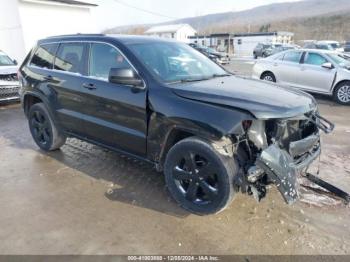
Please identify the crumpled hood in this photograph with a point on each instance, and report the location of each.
(264, 100)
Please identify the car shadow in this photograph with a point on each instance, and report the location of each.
(132, 181)
(127, 180)
(325, 100)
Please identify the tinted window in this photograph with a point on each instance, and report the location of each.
(70, 57)
(44, 56)
(315, 59)
(103, 57)
(292, 57)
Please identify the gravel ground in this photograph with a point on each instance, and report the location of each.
(87, 200)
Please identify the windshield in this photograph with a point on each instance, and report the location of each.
(5, 60)
(339, 60)
(174, 62)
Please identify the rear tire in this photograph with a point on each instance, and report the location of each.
(341, 93)
(199, 177)
(268, 76)
(43, 129)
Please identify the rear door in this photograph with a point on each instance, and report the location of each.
(287, 67)
(114, 114)
(314, 76)
(67, 80)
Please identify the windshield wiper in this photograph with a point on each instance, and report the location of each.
(187, 80)
(220, 75)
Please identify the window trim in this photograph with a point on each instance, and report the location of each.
(88, 42)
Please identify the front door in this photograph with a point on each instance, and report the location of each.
(114, 114)
(314, 76)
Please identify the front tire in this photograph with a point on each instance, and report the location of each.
(43, 129)
(268, 76)
(199, 177)
(342, 93)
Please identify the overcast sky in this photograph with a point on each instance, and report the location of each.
(111, 13)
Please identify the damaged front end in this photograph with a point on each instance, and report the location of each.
(276, 151)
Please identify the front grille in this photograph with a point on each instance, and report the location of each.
(9, 92)
(9, 77)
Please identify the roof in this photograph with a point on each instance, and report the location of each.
(167, 28)
(65, 2)
(125, 39)
(264, 34)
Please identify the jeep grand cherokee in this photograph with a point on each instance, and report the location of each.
(211, 133)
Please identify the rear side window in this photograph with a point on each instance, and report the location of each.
(44, 56)
(315, 59)
(70, 57)
(293, 57)
(103, 57)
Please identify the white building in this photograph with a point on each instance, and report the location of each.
(180, 32)
(244, 44)
(23, 22)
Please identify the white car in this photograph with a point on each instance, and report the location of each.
(317, 71)
(9, 85)
(334, 44)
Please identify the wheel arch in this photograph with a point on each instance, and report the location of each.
(178, 134)
(339, 83)
(31, 98)
(267, 72)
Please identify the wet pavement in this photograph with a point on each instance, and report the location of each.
(84, 199)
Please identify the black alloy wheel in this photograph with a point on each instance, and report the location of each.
(199, 177)
(44, 131)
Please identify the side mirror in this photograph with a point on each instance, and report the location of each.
(125, 76)
(328, 65)
(15, 62)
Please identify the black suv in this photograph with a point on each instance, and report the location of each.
(213, 134)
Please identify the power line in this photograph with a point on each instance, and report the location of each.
(144, 10)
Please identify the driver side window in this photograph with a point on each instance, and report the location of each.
(315, 59)
(103, 57)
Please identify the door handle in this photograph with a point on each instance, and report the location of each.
(48, 78)
(89, 86)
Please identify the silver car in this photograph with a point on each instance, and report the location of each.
(317, 71)
(9, 85)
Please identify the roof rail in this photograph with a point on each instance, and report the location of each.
(75, 35)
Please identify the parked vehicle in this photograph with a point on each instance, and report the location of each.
(318, 71)
(317, 46)
(347, 47)
(334, 44)
(281, 48)
(324, 45)
(265, 50)
(8, 79)
(219, 57)
(213, 134)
